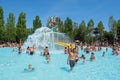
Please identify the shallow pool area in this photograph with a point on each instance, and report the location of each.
(13, 65)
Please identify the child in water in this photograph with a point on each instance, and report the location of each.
(47, 54)
(92, 57)
(30, 67)
(83, 58)
(65, 50)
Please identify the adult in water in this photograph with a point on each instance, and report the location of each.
(71, 60)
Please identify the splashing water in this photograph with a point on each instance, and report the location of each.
(45, 36)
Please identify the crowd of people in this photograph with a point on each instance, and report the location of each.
(72, 52)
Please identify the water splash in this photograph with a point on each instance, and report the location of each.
(45, 36)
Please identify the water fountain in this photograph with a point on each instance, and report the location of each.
(45, 36)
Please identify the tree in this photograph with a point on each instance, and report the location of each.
(10, 28)
(90, 29)
(75, 30)
(68, 27)
(111, 22)
(118, 25)
(21, 27)
(100, 29)
(1, 23)
(96, 33)
(107, 37)
(113, 26)
(118, 30)
(36, 23)
(90, 25)
(60, 27)
(83, 31)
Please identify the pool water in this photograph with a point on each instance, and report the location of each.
(13, 65)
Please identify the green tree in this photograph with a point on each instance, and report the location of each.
(96, 33)
(90, 29)
(107, 37)
(113, 27)
(68, 27)
(83, 30)
(118, 30)
(111, 23)
(101, 29)
(36, 23)
(21, 27)
(10, 28)
(60, 27)
(90, 26)
(1, 23)
(75, 30)
(118, 25)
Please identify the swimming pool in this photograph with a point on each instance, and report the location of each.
(12, 67)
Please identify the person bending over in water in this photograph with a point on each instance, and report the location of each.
(71, 60)
(83, 58)
(92, 57)
(47, 55)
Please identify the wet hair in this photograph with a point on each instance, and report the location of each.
(92, 53)
(82, 55)
(46, 47)
(29, 65)
(28, 47)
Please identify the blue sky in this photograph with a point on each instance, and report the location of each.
(77, 10)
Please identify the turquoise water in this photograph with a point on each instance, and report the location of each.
(12, 67)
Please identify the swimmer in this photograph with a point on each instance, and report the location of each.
(103, 54)
(83, 58)
(19, 50)
(65, 50)
(106, 49)
(92, 57)
(87, 49)
(27, 50)
(30, 67)
(31, 49)
(47, 55)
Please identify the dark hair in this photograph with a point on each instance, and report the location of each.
(92, 53)
(27, 47)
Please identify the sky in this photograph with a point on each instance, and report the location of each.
(77, 10)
